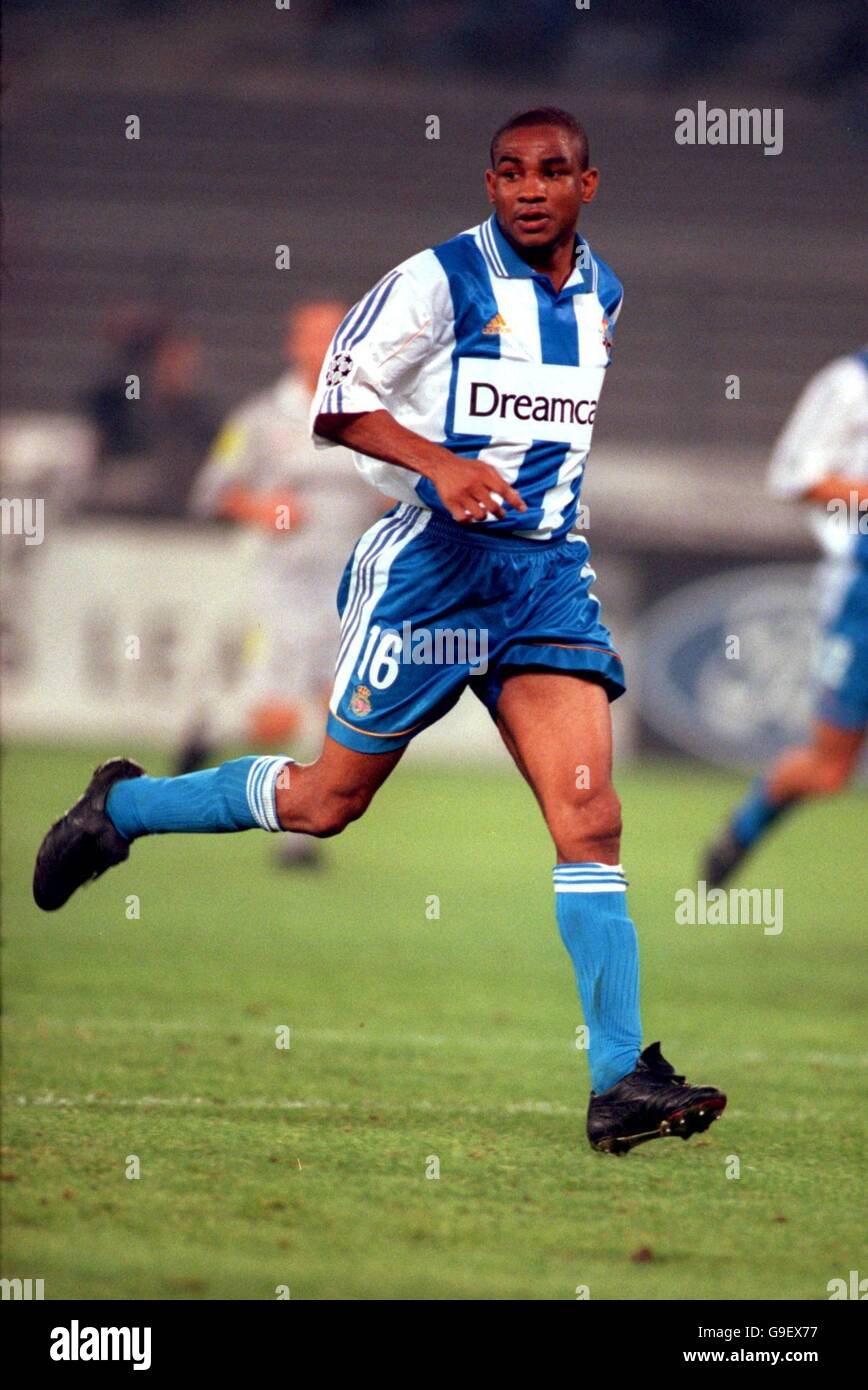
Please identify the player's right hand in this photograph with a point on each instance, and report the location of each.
(472, 490)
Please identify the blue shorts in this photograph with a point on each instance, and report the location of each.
(429, 607)
(842, 668)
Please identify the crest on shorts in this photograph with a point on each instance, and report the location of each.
(360, 701)
(339, 368)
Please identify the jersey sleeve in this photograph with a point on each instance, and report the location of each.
(377, 351)
(812, 445)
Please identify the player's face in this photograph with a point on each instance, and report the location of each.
(537, 186)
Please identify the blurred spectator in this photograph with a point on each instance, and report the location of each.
(153, 422)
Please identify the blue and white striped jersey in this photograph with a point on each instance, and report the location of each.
(470, 347)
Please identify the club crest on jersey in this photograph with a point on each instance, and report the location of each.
(360, 701)
(606, 336)
(339, 368)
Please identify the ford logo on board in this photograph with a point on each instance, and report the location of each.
(724, 664)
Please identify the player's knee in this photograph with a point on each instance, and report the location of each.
(588, 828)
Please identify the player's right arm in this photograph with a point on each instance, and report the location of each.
(381, 352)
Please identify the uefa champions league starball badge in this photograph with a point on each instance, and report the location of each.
(339, 369)
(360, 703)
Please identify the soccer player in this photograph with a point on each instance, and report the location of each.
(821, 458)
(466, 383)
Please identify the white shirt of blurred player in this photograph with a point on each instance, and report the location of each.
(826, 435)
(264, 447)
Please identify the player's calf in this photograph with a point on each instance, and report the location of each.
(323, 812)
(324, 797)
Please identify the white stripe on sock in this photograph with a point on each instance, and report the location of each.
(589, 878)
(615, 886)
(261, 790)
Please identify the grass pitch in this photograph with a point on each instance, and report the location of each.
(415, 1037)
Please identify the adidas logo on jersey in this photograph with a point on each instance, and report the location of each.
(496, 325)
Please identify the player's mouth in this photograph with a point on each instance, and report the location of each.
(532, 221)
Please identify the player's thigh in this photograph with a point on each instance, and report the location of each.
(559, 730)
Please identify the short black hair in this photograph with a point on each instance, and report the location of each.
(545, 115)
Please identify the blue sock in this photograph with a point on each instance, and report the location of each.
(238, 795)
(756, 814)
(591, 904)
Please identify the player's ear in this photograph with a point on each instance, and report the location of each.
(489, 184)
(590, 184)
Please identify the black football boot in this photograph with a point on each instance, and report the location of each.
(651, 1103)
(83, 843)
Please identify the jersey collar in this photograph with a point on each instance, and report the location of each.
(506, 263)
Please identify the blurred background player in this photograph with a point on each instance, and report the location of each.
(821, 457)
(306, 510)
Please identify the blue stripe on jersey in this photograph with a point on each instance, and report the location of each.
(558, 329)
(473, 304)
